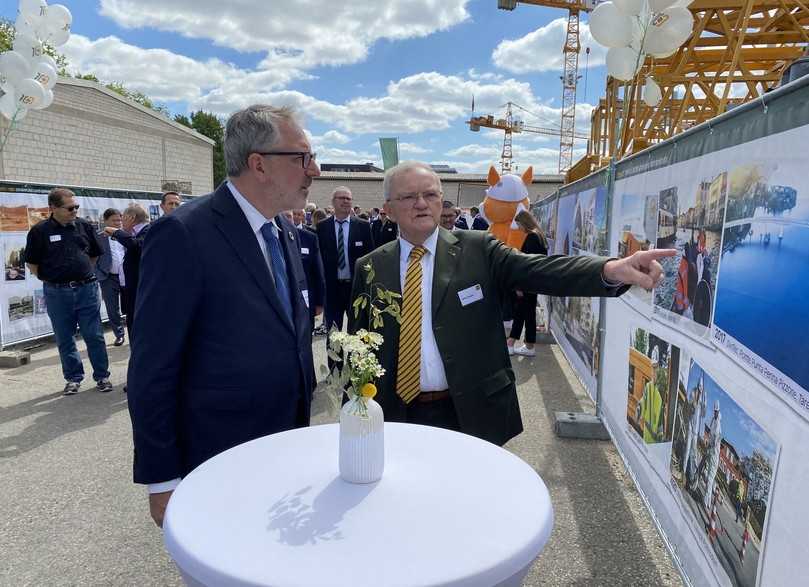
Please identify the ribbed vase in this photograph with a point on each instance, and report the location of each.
(362, 442)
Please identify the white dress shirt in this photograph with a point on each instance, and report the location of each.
(256, 220)
(432, 376)
(117, 252)
(343, 273)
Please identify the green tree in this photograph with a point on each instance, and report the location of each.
(210, 125)
(7, 33)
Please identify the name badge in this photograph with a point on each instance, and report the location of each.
(304, 250)
(358, 244)
(56, 238)
(305, 293)
(470, 295)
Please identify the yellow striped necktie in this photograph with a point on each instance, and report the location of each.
(409, 366)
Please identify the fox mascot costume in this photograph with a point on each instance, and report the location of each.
(506, 196)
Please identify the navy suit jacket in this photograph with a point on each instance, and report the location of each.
(215, 361)
(479, 224)
(104, 263)
(360, 243)
(313, 267)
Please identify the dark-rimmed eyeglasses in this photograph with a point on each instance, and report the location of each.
(305, 156)
(70, 208)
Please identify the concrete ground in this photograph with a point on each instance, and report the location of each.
(72, 516)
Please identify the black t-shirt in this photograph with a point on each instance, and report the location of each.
(62, 253)
(534, 245)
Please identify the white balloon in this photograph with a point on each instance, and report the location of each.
(683, 3)
(30, 94)
(59, 37)
(14, 67)
(630, 7)
(668, 30)
(49, 60)
(24, 26)
(623, 63)
(28, 46)
(660, 5)
(8, 106)
(651, 93)
(32, 7)
(47, 100)
(609, 26)
(665, 54)
(45, 75)
(59, 15)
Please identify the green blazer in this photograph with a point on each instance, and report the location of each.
(471, 338)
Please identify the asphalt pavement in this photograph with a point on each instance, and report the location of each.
(72, 516)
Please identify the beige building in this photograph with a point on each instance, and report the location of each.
(464, 190)
(91, 136)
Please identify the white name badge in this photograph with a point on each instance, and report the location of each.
(305, 293)
(56, 238)
(470, 295)
(304, 250)
(358, 244)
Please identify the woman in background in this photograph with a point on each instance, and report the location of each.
(525, 304)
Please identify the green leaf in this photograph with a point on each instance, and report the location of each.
(358, 301)
(371, 274)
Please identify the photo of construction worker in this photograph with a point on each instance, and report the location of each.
(652, 386)
(723, 464)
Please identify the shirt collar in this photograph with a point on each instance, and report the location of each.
(255, 218)
(138, 227)
(430, 244)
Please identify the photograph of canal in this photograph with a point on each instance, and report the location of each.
(723, 468)
(764, 270)
(635, 216)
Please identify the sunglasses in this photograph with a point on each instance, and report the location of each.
(70, 208)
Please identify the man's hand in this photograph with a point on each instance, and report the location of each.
(641, 269)
(318, 310)
(109, 230)
(157, 506)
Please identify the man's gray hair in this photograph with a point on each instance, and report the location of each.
(391, 174)
(339, 189)
(137, 212)
(253, 130)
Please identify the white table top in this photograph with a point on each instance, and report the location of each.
(450, 510)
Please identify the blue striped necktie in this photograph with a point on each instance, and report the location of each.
(341, 250)
(279, 266)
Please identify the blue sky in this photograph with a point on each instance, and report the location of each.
(357, 70)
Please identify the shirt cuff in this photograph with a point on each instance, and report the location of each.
(165, 486)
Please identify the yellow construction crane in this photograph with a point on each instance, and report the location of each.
(510, 125)
(570, 72)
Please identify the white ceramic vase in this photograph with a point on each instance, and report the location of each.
(362, 442)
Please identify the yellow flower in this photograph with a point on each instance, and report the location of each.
(368, 390)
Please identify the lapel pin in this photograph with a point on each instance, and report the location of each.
(292, 238)
(452, 252)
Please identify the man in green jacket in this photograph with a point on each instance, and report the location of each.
(446, 364)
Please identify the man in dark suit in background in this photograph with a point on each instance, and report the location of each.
(478, 222)
(108, 270)
(135, 227)
(315, 294)
(343, 239)
(223, 344)
(383, 230)
(447, 364)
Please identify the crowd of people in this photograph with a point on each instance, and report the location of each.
(221, 294)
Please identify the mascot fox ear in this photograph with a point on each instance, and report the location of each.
(527, 177)
(494, 177)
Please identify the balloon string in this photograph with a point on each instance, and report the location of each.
(11, 127)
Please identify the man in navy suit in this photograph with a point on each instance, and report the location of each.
(312, 265)
(343, 239)
(223, 344)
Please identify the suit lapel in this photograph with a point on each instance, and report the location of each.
(288, 237)
(237, 231)
(447, 253)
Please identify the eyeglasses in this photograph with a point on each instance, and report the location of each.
(306, 157)
(411, 199)
(70, 208)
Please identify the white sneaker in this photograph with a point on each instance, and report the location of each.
(525, 351)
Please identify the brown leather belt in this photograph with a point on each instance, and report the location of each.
(432, 396)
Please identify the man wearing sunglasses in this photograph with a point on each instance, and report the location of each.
(222, 343)
(62, 252)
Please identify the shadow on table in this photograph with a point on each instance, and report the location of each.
(300, 519)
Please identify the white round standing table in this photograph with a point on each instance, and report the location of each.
(450, 510)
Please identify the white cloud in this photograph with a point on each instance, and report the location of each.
(476, 151)
(541, 50)
(412, 149)
(163, 75)
(315, 32)
(334, 136)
